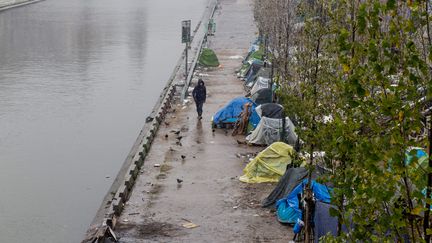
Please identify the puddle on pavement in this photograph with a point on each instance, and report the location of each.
(151, 229)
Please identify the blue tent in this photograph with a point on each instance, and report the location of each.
(288, 209)
(231, 112)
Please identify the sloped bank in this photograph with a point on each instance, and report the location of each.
(8, 4)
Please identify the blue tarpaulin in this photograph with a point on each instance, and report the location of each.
(288, 209)
(233, 109)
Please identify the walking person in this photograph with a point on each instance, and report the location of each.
(199, 94)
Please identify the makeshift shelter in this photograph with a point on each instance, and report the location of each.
(269, 165)
(254, 47)
(260, 83)
(262, 96)
(208, 58)
(288, 209)
(270, 130)
(270, 110)
(291, 178)
(246, 67)
(263, 72)
(231, 112)
(255, 53)
(253, 70)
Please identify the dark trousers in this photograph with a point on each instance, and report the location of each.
(199, 107)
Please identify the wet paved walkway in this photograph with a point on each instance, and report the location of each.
(210, 195)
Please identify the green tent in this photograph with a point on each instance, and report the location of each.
(208, 58)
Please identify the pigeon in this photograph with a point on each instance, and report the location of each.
(175, 132)
(179, 180)
(183, 157)
(179, 137)
(149, 119)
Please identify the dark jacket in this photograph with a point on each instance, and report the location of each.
(199, 93)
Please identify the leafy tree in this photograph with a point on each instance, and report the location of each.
(366, 65)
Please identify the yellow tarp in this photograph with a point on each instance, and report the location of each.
(269, 165)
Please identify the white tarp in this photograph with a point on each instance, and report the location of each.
(269, 129)
(261, 83)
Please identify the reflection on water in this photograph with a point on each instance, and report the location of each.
(77, 79)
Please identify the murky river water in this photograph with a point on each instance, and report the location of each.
(77, 79)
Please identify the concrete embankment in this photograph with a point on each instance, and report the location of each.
(8, 4)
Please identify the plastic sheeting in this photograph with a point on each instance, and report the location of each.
(270, 110)
(252, 72)
(254, 119)
(244, 70)
(288, 209)
(232, 110)
(208, 58)
(269, 131)
(291, 178)
(261, 83)
(262, 96)
(269, 165)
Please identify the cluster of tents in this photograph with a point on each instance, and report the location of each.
(263, 120)
(263, 123)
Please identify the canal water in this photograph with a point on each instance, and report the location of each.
(77, 80)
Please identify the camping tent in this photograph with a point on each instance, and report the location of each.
(208, 58)
(288, 209)
(291, 178)
(270, 110)
(231, 112)
(262, 96)
(253, 70)
(260, 83)
(269, 131)
(269, 165)
(263, 72)
(254, 46)
(247, 66)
